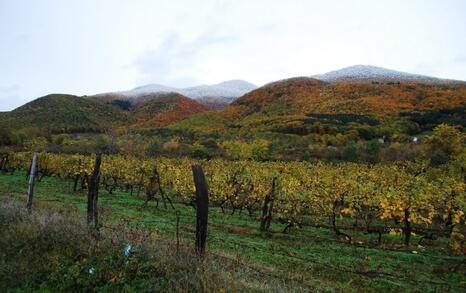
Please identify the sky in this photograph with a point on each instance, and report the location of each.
(87, 47)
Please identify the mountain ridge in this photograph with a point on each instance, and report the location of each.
(380, 74)
(220, 94)
(278, 102)
(292, 103)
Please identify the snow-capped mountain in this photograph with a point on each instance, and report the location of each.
(227, 90)
(374, 73)
(148, 89)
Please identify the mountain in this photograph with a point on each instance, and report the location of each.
(214, 96)
(296, 102)
(277, 105)
(286, 95)
(310, 95)
(61, 113)
(64, 113)
(260, 109)
(147, 89)
(214, 103)
(226, 89)
(377, 74)
(159, 110)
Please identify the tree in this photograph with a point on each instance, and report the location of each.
(106, 144)
(5, 137)
(351, 153)
(154, 147)
(200, 151)
(260, 149)
(373, 150)
(236, 149)
(444, 142)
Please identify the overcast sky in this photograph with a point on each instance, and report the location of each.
(92, 46)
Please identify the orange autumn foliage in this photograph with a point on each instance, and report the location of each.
(163, 110)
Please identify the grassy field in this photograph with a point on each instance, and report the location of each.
(308, 259)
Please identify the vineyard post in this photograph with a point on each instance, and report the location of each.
(4, 162)
(32, 175)
(202, 209)
(267, 208)
(177, 232)
(93, 193)
(76, 178)
(407, 230)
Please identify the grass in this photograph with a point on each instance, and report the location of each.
(48, 250)
(308, 259)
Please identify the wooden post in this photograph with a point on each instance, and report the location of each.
(4, 162)
(267, 208)
(202, 209)
(93, 193)
(407, 227)
(32, 175)
(177, 232)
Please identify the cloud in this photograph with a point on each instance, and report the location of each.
(460, 59)
(9, 89)
(9, 96)
(177, 60)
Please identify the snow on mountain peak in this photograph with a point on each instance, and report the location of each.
(147, 89)
(374, 73)
(227, 89)
(237, 84)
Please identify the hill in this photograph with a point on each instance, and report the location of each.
(374, 73)
(159, 110)
(285, 96)
(357, 94)
(214, 103)
(298, 102)
(308, 95)
(64, 113)
(213, 96)
(155, 109)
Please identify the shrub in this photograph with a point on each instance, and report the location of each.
(351, 153)
(5, 137)
(55, 251)
(373, 148)
(154, 147)
(200, 151)
(446, 141)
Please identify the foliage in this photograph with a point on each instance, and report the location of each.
(49, 250)
(445, 141)
(163, 109)
(408, 196)
(64, 114)
(235, 149)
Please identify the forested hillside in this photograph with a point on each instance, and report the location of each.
(61, 113)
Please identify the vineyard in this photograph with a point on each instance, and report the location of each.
(398, 199)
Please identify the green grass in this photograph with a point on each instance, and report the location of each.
(309, 259)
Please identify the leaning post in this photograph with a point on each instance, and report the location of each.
(93, 193)
(202, 209)
(32, 175)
